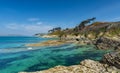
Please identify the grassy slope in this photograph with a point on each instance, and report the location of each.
(94, 30)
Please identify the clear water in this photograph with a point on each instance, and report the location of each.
(15, 57)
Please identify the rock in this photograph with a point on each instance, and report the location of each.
(107, 43)
(117, 47)
(93, 65)
(86, 66)
(84, 41)
(112, 58)
(49, 36)
(47, 43)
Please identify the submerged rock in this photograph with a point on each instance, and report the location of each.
(48, 43)
(86, 66)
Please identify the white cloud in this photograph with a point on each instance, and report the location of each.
(33, 19)
(28, 28)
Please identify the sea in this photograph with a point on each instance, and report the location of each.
(16, 57)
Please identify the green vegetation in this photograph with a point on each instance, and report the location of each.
(89, 29)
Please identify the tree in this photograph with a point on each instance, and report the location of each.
(57, 28)
(54, 29)
(84, 23)
(60, 34)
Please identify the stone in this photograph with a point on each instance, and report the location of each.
(112, 58)
(107, 43)
(86, 66)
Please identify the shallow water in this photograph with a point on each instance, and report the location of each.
(17, 57)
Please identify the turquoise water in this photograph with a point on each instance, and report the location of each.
(15, 57)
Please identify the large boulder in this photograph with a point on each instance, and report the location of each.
(107, 43)
(112, 58)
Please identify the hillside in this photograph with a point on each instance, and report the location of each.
(93, 30)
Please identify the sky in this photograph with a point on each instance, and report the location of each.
(28, 17)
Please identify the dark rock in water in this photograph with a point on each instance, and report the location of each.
(112, 58)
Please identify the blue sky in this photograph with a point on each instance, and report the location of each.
(27, 17)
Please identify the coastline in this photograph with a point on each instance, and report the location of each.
(103, 37)
(85, 66)
(97, 67)
(49, 43)
(100, 43)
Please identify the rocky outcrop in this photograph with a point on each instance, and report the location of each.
(49, 36)
(112, 58)
(47, 43)
(106, 43)
(86, 66)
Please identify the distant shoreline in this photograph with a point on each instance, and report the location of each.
(48, 43)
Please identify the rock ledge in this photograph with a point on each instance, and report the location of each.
(86, 66)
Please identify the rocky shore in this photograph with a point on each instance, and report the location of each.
(86, 66)
(49, 36)
(49, 43)
(109, 64)
(107, 43)
(104, 35)
(112, 58)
